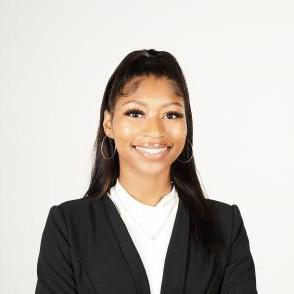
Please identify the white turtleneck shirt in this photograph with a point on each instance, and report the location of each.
(150, 228)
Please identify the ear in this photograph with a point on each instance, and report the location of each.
(107, 124)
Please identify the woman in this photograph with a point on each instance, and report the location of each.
(144, 225)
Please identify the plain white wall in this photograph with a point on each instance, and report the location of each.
(237, 56)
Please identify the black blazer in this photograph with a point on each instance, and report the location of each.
(86, 249)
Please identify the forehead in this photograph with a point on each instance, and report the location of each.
(150, 84)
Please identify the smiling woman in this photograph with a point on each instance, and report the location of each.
(144, 224)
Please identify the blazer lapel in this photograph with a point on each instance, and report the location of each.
(173, 279)
(128, 248)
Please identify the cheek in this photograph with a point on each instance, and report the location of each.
(126, 130)
(177, 132)
(177, 135)
(125, 133)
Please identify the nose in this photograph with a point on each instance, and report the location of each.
(154, 127)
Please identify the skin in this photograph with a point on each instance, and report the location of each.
(148, 181)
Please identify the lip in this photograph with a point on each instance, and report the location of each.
(154, 146)
(155, 156)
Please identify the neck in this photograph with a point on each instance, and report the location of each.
(148, 190)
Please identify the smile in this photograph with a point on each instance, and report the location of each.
(152, 153)
(151, 150)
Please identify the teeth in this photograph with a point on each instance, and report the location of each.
(152, 151)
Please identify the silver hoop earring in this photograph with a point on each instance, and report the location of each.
(190, 157)
(102, 150)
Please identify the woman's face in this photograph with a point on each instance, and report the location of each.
(152, 115)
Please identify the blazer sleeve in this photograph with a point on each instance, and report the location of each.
(239, 276)
(54, 269)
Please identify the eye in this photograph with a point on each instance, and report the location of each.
(138, 111)
(177, 114)
(133, 110)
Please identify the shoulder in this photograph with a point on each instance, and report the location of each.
(223, 210)
(217, 203)
(227, 217)
(80, 212)
(80, 204)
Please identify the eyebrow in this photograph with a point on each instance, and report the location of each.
(163, 105)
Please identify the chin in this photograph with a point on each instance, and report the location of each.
(152, 169)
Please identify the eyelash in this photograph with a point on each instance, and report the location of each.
(138, 111)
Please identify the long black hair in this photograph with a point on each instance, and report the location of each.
(104, 172)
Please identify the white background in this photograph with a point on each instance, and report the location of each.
(237, 56)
